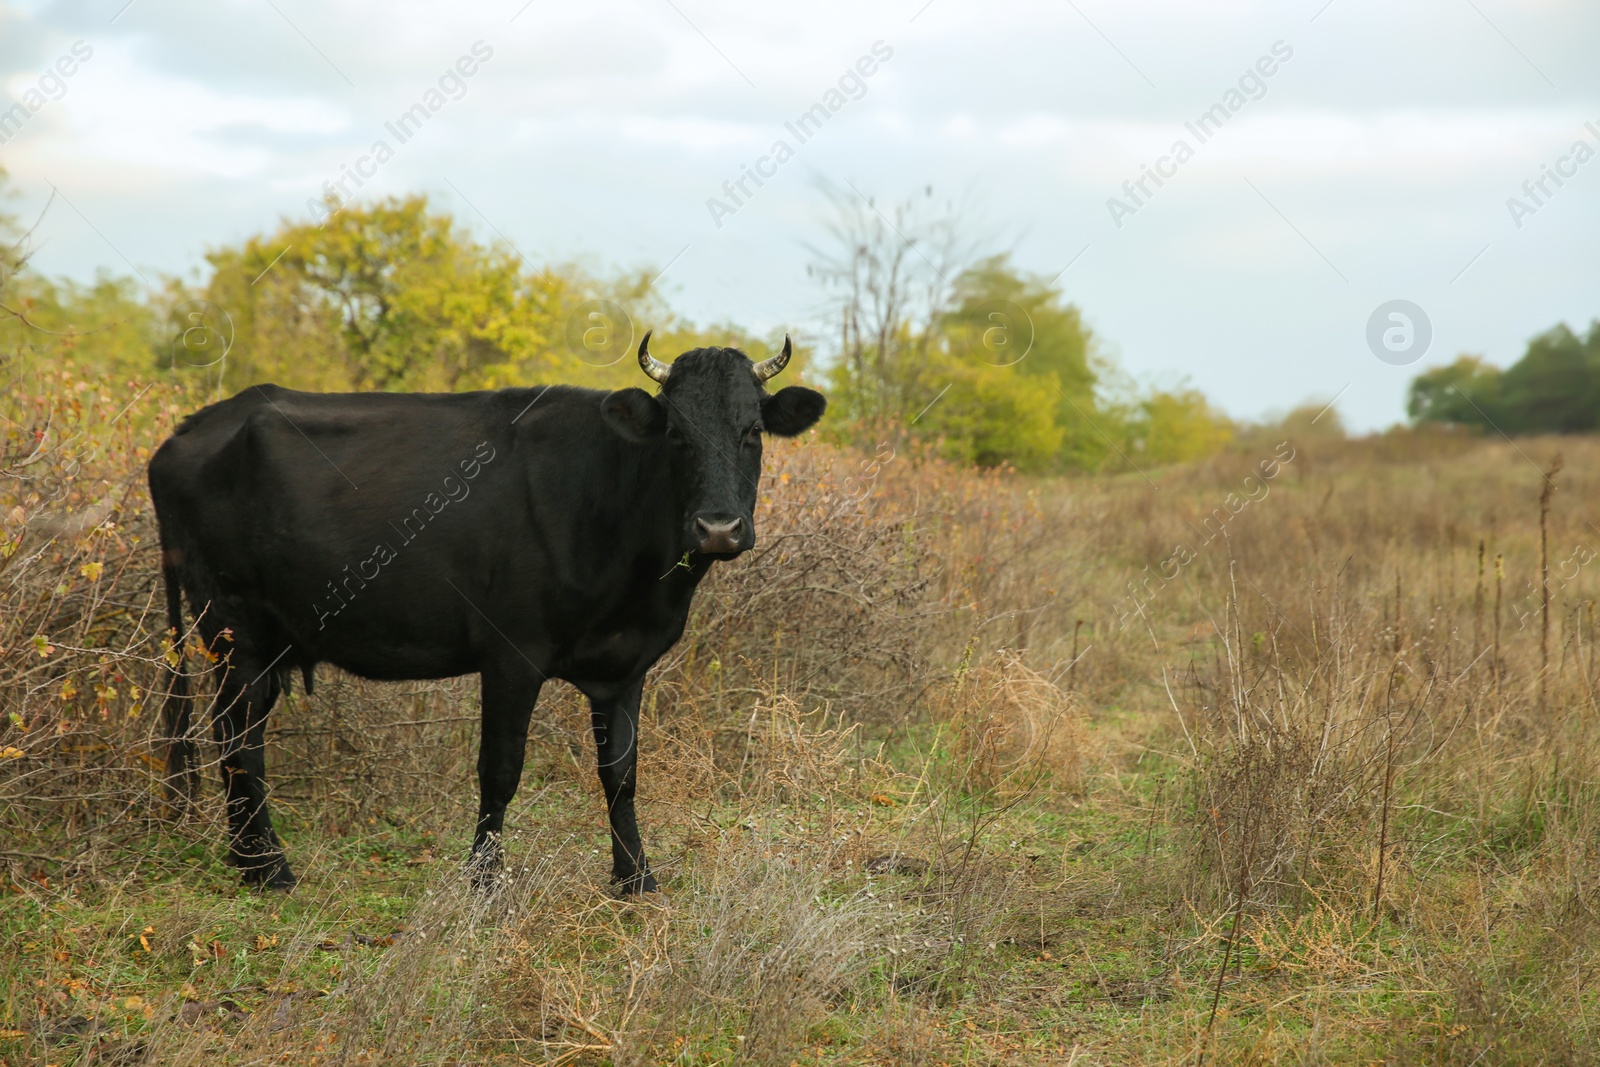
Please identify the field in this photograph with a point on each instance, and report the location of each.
(1289, 756)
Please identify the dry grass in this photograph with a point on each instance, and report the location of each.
(926, 783)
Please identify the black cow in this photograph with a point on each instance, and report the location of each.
(521, 534)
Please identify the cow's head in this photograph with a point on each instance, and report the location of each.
(710, 415)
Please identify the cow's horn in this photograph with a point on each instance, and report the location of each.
(771, 368)
(650, 364)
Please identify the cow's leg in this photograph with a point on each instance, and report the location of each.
(616, 737)
(509, 694)
(239, 721)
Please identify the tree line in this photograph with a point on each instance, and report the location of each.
(1553, 388)
(933, 344)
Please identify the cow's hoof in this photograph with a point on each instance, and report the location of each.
(485, 870)
(273, 874)
(634, 885)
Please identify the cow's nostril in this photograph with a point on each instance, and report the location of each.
(719, 537)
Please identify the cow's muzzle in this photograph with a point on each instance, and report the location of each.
(721, 536)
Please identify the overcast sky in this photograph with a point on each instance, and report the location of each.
(1374, 163)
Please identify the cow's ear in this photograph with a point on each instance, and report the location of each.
(792, 410)
(634, 414)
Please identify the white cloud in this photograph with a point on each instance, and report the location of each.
(118, 113)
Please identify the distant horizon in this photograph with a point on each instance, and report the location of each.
(1336, 156)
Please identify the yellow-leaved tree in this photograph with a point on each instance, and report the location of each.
(387, 296)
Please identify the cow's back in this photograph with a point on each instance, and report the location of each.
(397, 534)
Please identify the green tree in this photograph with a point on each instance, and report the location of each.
(1022, 355)
(391, 296)
(977, 358)
(973, 358)
(1180, 426)
(990, 416)
(1553, 388)
(1461, 393)
(1051, 343)
(887, 274)
(397, 295)
(108, 327)
(602, 346)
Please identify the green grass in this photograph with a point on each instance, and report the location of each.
(1088, 940)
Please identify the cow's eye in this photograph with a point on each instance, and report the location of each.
(673, 433)
(752, 436)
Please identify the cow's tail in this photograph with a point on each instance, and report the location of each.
(183, 772)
